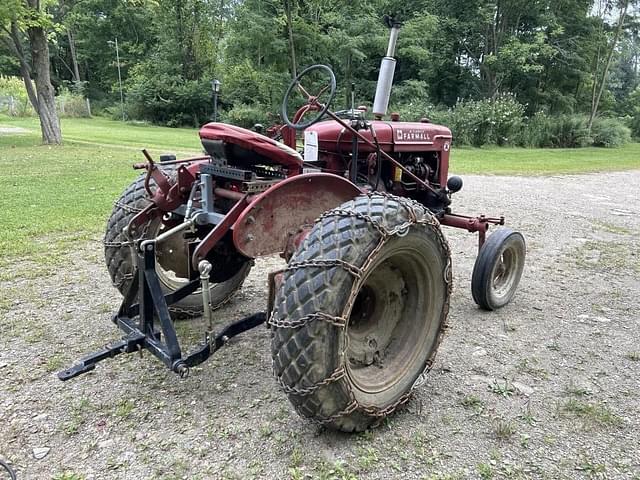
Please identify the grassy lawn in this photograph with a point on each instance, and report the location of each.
(55, 196)
(522, 161)
(117, 134)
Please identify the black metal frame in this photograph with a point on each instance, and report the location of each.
(143, 334)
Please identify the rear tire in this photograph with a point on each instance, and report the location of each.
(498, 268)
(347, 360)
(120, 259)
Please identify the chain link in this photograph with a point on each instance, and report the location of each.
(334, 377)
(352, 269)
(126, 208)
(341, 321)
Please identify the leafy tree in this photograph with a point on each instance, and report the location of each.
(25, 25)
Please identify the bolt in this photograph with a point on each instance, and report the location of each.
(250, 238)
(149, 247)
(250, 219)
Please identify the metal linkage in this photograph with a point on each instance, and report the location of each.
(137, 321)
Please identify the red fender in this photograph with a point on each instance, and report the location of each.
(265, 226)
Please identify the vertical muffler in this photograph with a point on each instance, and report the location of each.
(387, 70)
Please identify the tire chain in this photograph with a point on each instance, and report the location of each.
(342, 322)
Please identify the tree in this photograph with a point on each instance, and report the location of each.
(26, 22)
(599, 82)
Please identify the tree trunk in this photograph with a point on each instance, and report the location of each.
(292, 48)
(49, 122)
(74, 57)
(25, 70)
(603, 79)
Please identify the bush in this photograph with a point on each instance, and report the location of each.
(610, 132)
(571, 131)
(247, 116)
(536, 132)
(568, 131)
(634, 124)
(72, 105)
(483, 122)
(13, 97)
(167, 99)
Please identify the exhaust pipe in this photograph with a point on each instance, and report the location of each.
(387, 70)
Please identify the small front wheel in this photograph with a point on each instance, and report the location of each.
(498, 269)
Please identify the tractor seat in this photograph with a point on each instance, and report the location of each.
(238, 144)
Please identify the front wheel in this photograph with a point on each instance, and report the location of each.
(498, 269)
(361, 311)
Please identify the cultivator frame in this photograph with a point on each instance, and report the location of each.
(142, 334)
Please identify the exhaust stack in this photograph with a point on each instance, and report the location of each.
(387, 70)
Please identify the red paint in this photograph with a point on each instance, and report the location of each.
(254, 142)
(265, 226)
(393, 137)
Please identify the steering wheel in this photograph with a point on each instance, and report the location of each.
(312, 102)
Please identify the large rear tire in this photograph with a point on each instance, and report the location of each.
(361, 311)
(119, 257)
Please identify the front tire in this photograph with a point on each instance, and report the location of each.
(498, 268)
(361, 311)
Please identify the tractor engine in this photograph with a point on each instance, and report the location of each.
(421, 147)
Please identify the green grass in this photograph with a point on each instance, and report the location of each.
(522, 161)
(113, 134)
(54, 197)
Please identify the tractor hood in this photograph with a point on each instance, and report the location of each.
(392, 136)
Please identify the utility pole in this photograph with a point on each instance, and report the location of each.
(119, 76)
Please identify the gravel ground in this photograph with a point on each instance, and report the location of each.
(545, 388)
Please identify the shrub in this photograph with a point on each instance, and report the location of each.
(482, 122)
(571, 131)
(72, 105)
(247, 116)
(13, 97)
(168, 99)
(634, 124)
(536, 132)
(610, 132)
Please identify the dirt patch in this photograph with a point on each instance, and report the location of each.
(12, 130)
(545, 388)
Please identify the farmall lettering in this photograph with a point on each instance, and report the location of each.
(412, 135)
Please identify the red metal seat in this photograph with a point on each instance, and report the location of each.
(272, 150)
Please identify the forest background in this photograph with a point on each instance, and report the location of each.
(533, 73)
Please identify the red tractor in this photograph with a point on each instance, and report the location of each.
(358, 312)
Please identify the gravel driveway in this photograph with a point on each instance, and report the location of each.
(545, 388)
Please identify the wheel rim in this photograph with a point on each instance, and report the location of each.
(505, 274)
(171, 258)
(394, 322)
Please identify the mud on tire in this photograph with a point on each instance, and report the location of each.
(347, 350)
(119, 255)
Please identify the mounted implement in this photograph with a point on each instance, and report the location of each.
(360, 307)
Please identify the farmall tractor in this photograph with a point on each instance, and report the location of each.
(358, 311)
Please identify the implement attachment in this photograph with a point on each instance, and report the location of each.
(141, 333)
